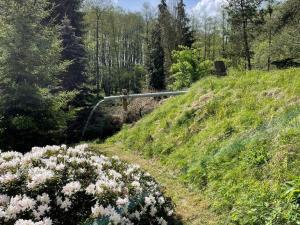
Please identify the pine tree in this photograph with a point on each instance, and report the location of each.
(29, 64)
(184, 32)
(157, 80)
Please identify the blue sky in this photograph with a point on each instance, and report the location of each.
(209, 7)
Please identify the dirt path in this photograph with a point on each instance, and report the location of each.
(191, 206)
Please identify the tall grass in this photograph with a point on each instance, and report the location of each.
(236, 138)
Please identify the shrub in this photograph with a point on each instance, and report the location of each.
(188, 68)
(60, 185)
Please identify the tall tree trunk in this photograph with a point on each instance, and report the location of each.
(246, 44)
(205, 39)
(245, 37)
(214, 42)
(97, 54)
(269, 36)
(209, 45)
(115, 48)
(223, 33)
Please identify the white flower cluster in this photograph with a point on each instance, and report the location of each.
(56, 185)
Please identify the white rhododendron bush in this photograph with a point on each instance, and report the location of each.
(60, 185)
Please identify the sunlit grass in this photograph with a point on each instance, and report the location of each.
(236, 138)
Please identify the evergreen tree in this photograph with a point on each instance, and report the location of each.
(29, 63)
(73, 51)
(184, 32)
(69, 9)
(157, 80)
(168, 34)
(67, 14)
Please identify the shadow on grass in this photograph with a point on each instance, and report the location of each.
(177, 220)
(106, 221)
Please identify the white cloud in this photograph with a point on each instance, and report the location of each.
(207, 8)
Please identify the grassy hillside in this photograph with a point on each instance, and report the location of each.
(235, 138)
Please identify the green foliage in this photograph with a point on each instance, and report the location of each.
(188, 68)
(184, 31)
(29, 65)
(73, 51)
(281, 22)
(209, 39)
(69, 17)
(157, 75)
(120, 49)
(135, 79)
(169, 40)
(293, 190)
(236, 139)
(243, 17)
(286, 38)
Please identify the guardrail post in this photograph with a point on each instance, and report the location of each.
(125, 103)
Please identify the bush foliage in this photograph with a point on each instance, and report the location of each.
(188, 68)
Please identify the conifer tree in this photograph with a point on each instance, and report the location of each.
(168, 34)
(67, 14)
(184, 32)
(73, 51)
(29, 64)
(157, 80)
(69, 9)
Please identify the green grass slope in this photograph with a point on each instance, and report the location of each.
(235, 138)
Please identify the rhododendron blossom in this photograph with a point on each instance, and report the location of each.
(56, 185)
(71, 188)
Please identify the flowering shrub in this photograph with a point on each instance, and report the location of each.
(60, 185)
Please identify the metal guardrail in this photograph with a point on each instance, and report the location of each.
(124, 98)
(146, 95)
